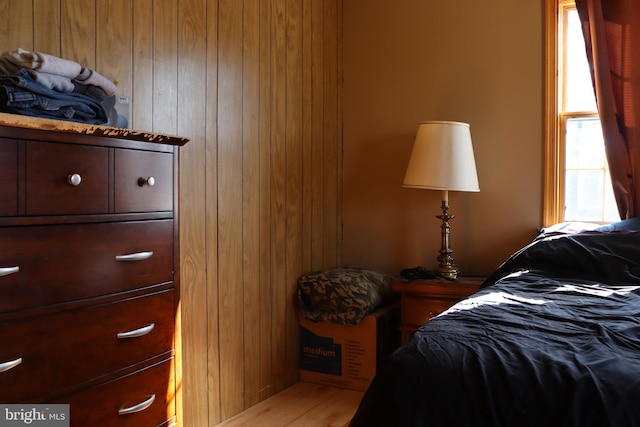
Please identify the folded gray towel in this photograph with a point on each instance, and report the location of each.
(54, 72)
(44, 63)
(88, 76)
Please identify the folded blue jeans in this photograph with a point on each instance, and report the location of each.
(21, 94)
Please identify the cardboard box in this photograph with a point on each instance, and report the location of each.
(348, 356)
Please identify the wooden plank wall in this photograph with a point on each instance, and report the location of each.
(256, 86)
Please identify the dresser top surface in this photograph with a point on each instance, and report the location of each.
(38, 123)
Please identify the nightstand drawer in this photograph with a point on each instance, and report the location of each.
(423, 300)
(418, 310)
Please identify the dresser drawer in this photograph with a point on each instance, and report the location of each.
(151, 389)
(143, 181)
(51, 264)
(77, 345)
(8, 177)
(50, 189)
(417, 310)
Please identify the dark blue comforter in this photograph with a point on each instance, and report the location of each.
(552, 339)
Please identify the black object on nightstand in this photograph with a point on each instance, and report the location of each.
(417, 273)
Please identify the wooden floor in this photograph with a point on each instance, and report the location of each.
(301, 405)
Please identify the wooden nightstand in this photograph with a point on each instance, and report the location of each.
(422, 300)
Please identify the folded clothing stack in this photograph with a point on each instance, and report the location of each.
(343, 295)
(43, 85)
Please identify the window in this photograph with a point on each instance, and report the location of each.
(577, 182)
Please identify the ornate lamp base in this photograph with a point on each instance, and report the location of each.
(446, 267)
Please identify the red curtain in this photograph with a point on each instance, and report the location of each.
(612, 35)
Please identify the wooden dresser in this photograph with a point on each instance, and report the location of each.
(89, 271)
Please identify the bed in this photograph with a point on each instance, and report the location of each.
(551, 339)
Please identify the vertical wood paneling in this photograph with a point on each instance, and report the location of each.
(141, 106)
(332, 135)
(78, 31)
(213, 323)
(165, 67)
(255, 84)
(192, 120)
(307, 128)
(46, 26)
(16, 25)
(251, 199)
(278, 194)
(317, 174)
(266, 268)
(337, 72)
(114, 42)
(293, 159)
(230, 213)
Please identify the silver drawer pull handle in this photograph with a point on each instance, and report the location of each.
(150, 181)
(74, 179)
(9, 365)
(137, 332)
(8, 270)
(139, 407)
(139, 256)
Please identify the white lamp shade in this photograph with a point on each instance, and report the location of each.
(442, 158)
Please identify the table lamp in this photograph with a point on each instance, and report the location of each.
(442, 159)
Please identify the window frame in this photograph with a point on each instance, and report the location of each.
(553, 175)
(555, 118)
